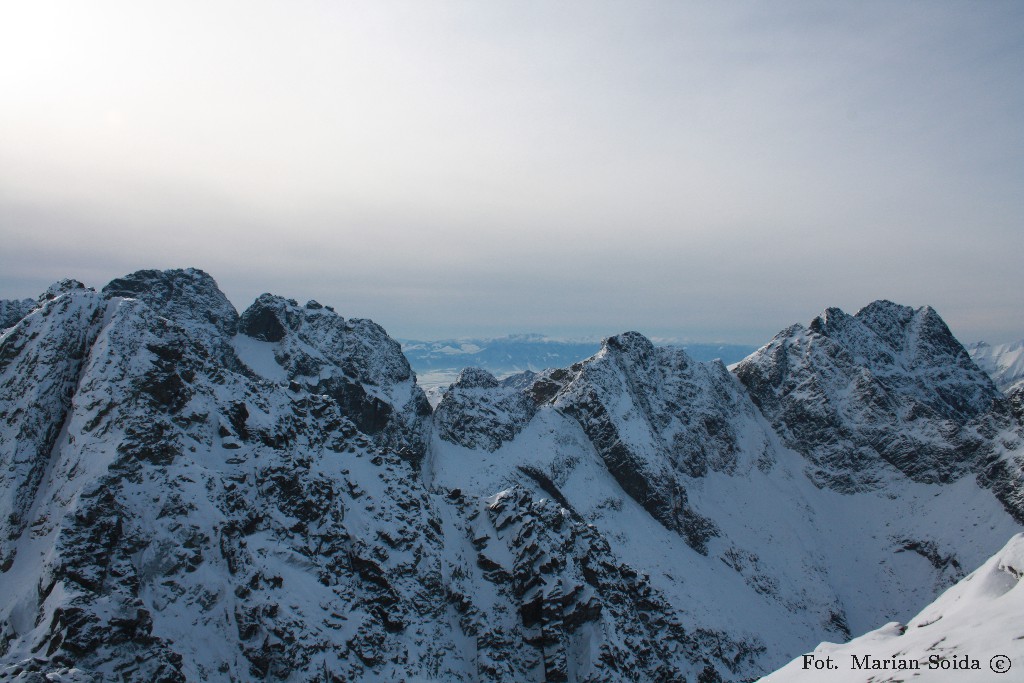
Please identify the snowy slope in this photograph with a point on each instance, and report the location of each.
(971, 633)
(1003, 362)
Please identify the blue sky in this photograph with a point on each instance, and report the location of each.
(710, 171)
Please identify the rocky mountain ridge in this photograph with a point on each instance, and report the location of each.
(194, 494)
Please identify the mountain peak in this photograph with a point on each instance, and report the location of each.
(476, 378)
(188, 296)
(269, 317)
(60, 287)
(889, 383)
(630, 342)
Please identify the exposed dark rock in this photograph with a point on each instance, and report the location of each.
(477, 411)
(352, 361)
(13, 310)
(260, 321)
(188, 296)
(201, 521)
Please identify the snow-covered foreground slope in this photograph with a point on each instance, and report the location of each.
(191, 494)
(972, 633)
(1003, 362)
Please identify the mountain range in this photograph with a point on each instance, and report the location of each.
(437, 363)
(520, 352)
(188, 493)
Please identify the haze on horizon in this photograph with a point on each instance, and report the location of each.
(706, 171)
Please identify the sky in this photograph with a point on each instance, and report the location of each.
(706, 171)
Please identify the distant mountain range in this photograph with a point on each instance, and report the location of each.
(516, 353)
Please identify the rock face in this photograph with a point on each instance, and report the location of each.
(477, 411)
(189, 297)
(890, 385)
(559, 606)
(653, 415)
(41, 364)
(662, 453)
(187, 494)
(353, 361)
(13, 310)
(179, 499)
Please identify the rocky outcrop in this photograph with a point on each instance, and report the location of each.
(637, 426)
(579, 613)
(353, 361)
(165, 500)
(174, 514)
(655, 417)
(477, 411)
(190, 297)
(658, 419)
(13, 310)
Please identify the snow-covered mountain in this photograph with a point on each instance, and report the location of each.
(1003, 362)
(191, 494)
(971, 633)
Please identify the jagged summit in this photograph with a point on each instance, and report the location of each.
(476, 378)
(13, 310)
(647, 444)
(353, 361)
(629, 342)
(888, 385)
(57, 288)
(186, 296)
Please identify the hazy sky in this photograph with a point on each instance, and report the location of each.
(711, 171)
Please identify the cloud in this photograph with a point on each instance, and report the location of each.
(703, 170)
